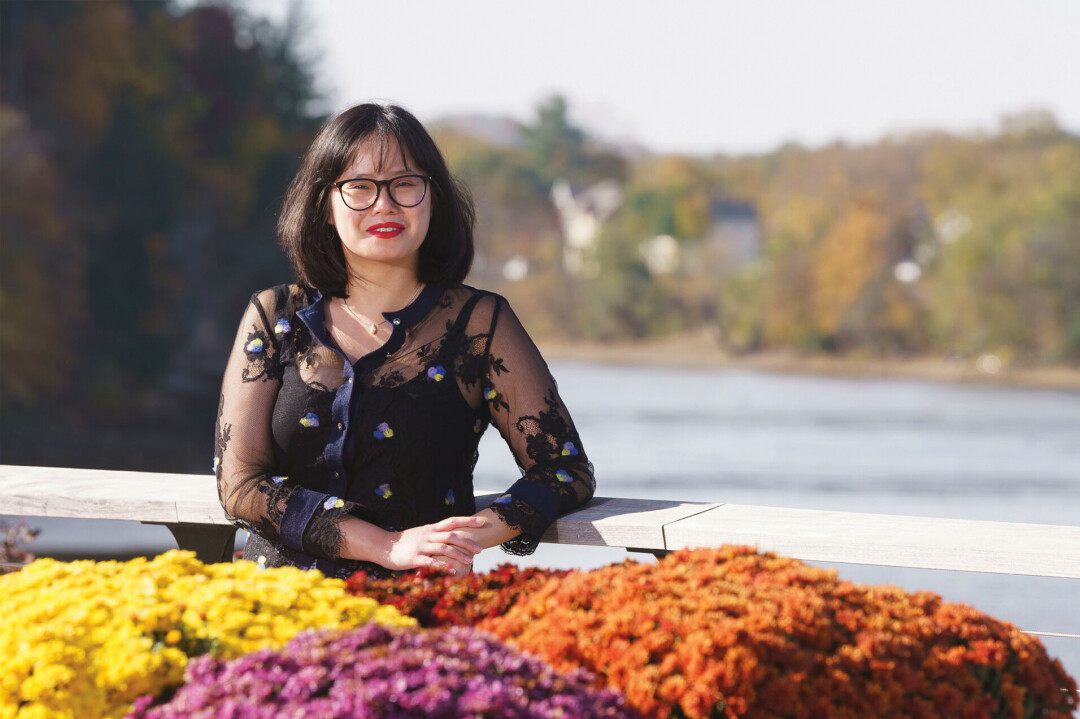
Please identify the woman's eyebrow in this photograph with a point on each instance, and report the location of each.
(371, 176)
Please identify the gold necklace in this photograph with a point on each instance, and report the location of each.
(373, 327)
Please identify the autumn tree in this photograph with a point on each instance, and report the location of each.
(149, 146)
(844, 263)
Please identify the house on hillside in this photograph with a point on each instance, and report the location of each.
(734, 236)
(732, 240)
(581, 217)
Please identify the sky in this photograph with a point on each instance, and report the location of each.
(704, 77)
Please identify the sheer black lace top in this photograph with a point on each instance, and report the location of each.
(304, 438)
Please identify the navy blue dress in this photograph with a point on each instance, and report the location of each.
(305, 438)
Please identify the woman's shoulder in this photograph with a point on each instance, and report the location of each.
(473, 304)
(282, 300)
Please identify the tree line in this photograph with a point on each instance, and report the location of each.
(931, 244)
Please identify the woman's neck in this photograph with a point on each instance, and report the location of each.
(386, 290)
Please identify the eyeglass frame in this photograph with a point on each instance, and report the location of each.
(340, 185)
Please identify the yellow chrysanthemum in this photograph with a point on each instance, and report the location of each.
(84, 639)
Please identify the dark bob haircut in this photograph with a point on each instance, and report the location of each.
(312, 243)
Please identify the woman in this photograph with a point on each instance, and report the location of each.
(354, 400)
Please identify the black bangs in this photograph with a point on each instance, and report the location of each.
(385, 136)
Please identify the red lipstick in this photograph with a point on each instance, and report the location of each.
(386, 229)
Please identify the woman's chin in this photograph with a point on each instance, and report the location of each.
(386, 252)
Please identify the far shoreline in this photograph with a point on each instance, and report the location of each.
(699, 351)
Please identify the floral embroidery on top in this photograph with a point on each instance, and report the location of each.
(383, 490)
(393, 378)
(496, 365)
(261, 365)
(563, 476)
(449, 498)
(310, 420)
(383, 431)
(492, 395)
(333, 503)
(282, 327)
(542, 429)
(437, 373)
(505, 499)
(479, 426)
(255, 344)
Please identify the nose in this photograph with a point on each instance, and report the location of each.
(384, 203)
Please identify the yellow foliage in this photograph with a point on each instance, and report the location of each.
(844, 261)
(786, 313)
(692, 215)
(676, 171)
(797, 221)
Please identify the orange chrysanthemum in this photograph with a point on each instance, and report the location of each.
(734, 633)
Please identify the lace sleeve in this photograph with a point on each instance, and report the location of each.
(253, 496)
(523, 402)
(253, 493)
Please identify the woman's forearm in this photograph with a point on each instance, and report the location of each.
(363, 541)
(494, 532)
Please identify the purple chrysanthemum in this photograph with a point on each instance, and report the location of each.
(374, 671)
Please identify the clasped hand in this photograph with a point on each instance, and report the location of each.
(435, 545)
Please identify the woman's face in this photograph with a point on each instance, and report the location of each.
(386, 232)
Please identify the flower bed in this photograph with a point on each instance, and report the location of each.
(733, 633)
(391, 674)
(436, 599)
(84, 639)
(709, 633)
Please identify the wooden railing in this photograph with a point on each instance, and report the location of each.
(188, 505)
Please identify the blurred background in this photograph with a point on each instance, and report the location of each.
(820, 255)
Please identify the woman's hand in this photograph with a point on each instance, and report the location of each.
(433, 545)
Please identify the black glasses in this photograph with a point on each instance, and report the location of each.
(361, 193)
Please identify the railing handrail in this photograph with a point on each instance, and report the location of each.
(188, 504)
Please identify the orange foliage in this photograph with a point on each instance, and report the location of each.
(847, 258)
(733, 633)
